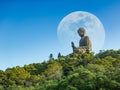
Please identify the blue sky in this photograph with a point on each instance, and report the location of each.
(28, 29)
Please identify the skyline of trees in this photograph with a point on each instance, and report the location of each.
(72, 72)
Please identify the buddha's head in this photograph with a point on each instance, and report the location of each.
(81, 32)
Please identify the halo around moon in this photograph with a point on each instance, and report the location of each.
(67, 30)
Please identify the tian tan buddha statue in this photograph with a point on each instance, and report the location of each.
(84, 43)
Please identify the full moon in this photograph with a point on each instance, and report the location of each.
(68, 26)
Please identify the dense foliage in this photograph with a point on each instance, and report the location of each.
(71, 72)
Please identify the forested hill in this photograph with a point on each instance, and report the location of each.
(71, 72)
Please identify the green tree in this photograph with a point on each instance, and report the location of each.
(18, 74)
(51, 56)
(53, 71)
(59, 55)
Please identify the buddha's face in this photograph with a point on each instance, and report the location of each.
(81, 32)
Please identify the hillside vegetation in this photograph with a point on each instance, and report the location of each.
(71, 72)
